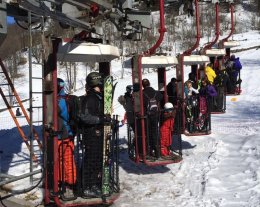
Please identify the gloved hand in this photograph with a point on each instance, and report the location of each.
(105, 118)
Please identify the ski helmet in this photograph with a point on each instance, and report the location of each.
(129, 88)
(94, 79)
(60, 84)
(168, 106)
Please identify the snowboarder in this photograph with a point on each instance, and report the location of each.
(92, 119)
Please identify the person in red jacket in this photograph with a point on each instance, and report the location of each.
(166, 129)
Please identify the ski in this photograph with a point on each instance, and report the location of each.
(108, 101)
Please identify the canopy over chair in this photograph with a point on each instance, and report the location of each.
(86, 52)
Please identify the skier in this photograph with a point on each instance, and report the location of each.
(166, 129)
(150, 96)
(210, 73)
(127, 102)
(172, 91)
(67, 166)
(92, 119)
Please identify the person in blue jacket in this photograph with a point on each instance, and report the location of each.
(67, 168)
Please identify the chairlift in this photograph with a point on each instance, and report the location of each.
(55, 191)
(228, 44)
(138, 140)
(193, 123)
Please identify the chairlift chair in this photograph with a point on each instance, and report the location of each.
(74, 51)
(198, 124)
(138, 141)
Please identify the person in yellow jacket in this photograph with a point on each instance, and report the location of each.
(210, 73)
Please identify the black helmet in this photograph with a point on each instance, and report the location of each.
(60, 84)
(94, 79)
(129, 88)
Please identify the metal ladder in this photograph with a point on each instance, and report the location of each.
(8, 83)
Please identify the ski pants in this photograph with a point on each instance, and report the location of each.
(166, 130)
(67, 167)
(153, 134)
(92, 157)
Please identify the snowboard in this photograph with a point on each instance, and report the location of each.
(108, 101)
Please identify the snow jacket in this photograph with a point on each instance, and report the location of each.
(236, 67)
(91, 108)
(129, 107)
(172, 93)
(210, 73)
(166, 132)
(63, 116)
(208, 90)
(149, 92)
(188, 92)
(221, 79)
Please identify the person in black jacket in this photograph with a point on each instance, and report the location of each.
(127, 102)
(92, 118)
(152, 118)
(172, 91)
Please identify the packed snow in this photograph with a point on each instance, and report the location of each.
(218, 170)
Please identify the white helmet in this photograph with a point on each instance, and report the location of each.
(168, 106)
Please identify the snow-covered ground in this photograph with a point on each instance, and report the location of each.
(221, 169)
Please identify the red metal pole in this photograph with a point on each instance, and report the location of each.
(217, 29)
(188, 52)
(142, 107)
(232, 25)
(55, 126)
(161, 30)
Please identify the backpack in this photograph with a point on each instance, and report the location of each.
(219, 80)
(73, 110)
(152, 105)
